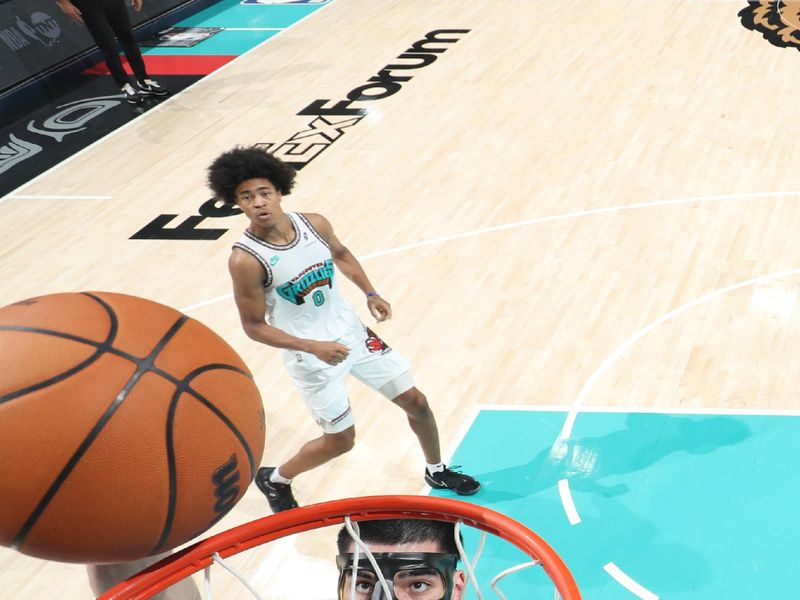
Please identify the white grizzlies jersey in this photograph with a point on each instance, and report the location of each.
(303, 298)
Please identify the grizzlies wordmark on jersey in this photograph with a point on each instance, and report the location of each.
(303, 297)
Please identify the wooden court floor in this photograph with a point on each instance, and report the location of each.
(579, 204)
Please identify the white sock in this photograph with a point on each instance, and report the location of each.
(276, 477)
(435, 468)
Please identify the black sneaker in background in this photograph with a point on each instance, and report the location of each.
(449, 479)
(131, 94)
(150, 87)
(279, 495)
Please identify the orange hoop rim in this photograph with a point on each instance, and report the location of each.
(198, 556)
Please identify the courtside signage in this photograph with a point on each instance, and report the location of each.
(327, 121)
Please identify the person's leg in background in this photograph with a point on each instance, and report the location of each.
(116, 15)
(94, 18)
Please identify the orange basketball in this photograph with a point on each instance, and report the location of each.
(126, 428)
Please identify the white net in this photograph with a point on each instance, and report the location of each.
(276, 559)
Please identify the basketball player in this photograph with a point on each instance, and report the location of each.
(284, 270)
(107, 22)
(416, 557)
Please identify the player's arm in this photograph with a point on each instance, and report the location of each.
(247, 275)
(348, 264)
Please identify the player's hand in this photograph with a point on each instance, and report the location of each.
(379, 308)
(69, 9)
(330, 352)
(137, 5)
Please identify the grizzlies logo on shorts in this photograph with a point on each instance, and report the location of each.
(376, 344)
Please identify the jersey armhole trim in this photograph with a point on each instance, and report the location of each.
(313, 229)
(260, 259)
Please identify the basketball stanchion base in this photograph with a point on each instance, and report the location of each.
(202, 555)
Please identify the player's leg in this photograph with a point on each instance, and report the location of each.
(423, 424)
(319, 451)
(323, 391)
(420, 418)
(383, 369)
(275, 482)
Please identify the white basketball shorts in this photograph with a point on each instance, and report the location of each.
(322, 386)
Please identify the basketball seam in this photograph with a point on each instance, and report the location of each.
(213, 407)
(143, 367)
(40, 507)
(183, 386)
(102, 348)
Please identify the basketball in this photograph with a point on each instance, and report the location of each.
(126, 427)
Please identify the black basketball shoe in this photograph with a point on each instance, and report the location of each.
(279, 495)
(131, 94)
(449, 479)
(150, 87)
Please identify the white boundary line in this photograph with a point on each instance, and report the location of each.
(566, 430)
(518, 224)
(140, 118)
(564, 491)
(59, 197)
(681, 410)
(581, 213)
(462, 433)
(569, 422)
(203, 303)
(566, 501)
(625, 581)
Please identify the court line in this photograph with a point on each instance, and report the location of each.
(254, 28)
(79, 197)
(566, 501)
(566, 498)
(743, 412)
(580, 213)
(625, 581)
(161, 104)
(569, 422)
(537, 221)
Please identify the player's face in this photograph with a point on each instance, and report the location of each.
(419, 583)
(259, 200)
(412, 584)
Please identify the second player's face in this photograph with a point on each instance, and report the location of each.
(259, 200)
(415, 584)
